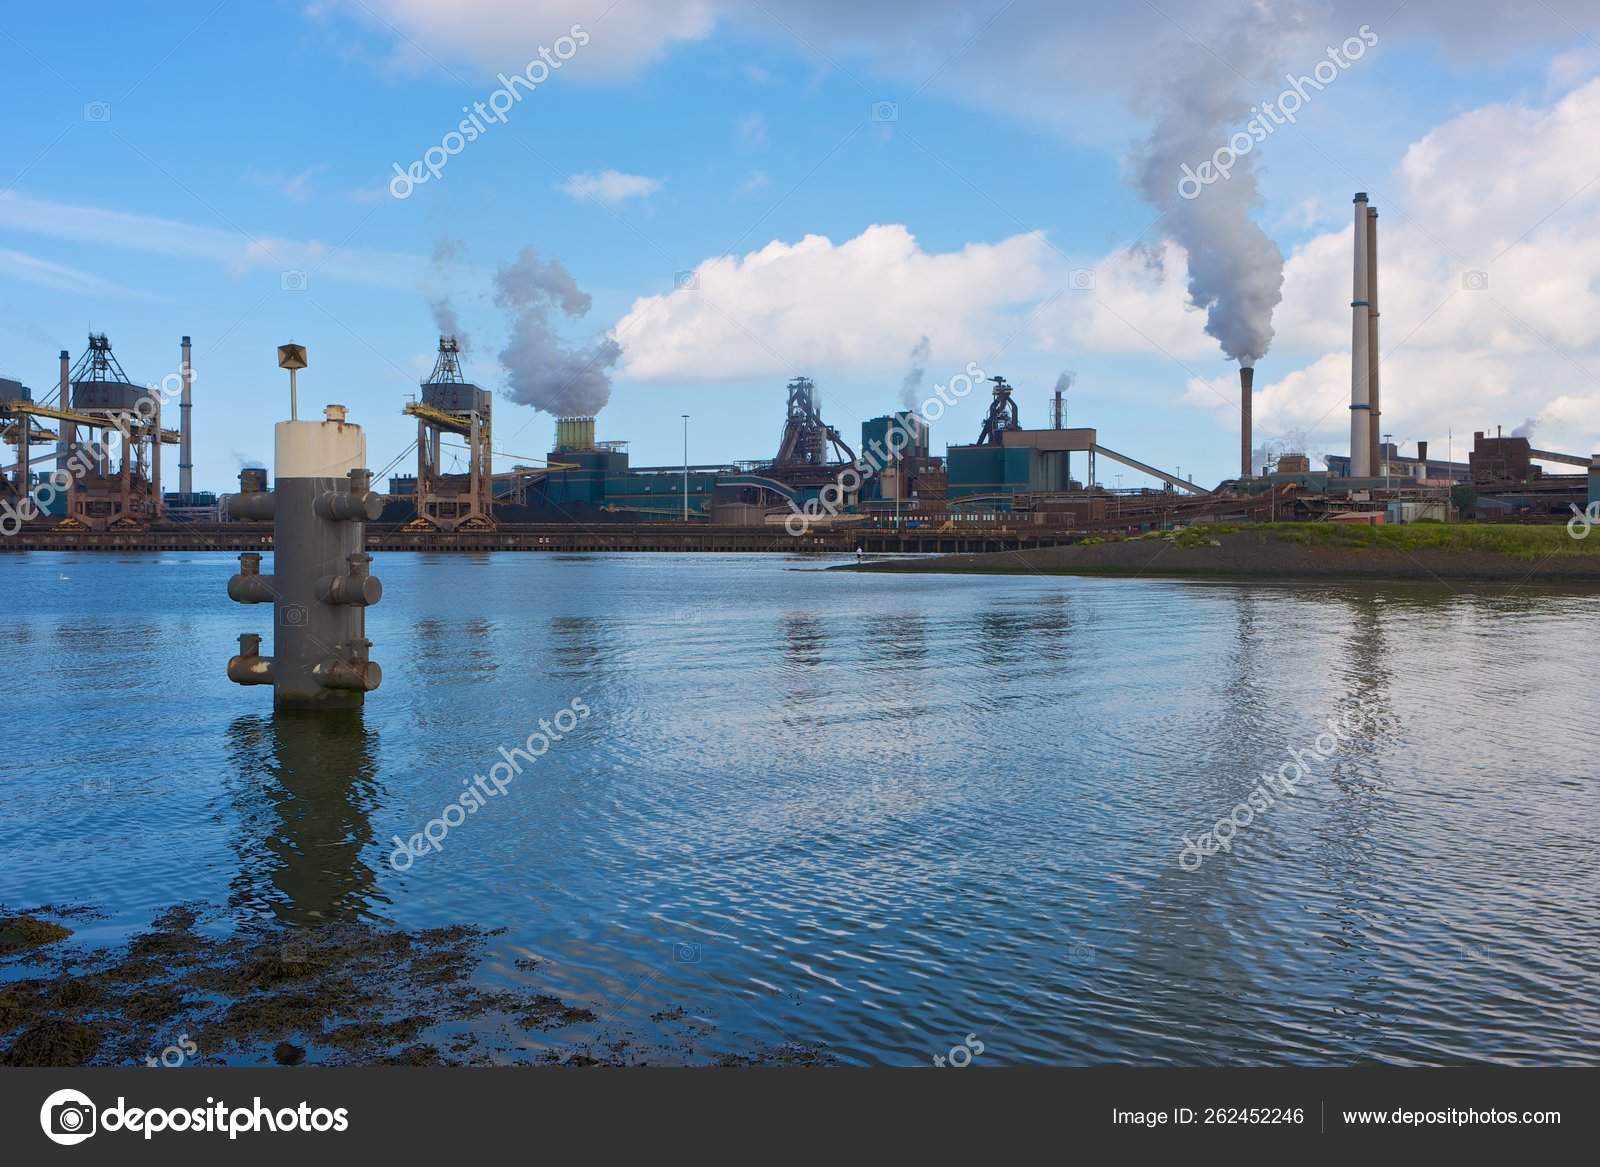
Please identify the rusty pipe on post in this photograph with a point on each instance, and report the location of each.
(250, 667)
(358, 672)
(250, 586)
(358, 586)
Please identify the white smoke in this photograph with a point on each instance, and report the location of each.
(440, 301)
(1235, 271)
(541, 369)
(1525, 430)
(911, 383)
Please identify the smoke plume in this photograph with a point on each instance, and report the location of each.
(1235, 271)
(911, 383)
(541, 369)
(440, 303)
(1065, 380)
(1525, 430)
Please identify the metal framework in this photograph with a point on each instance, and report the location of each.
(806, 437)
(1002, 414)
(111, 489)
(452, 404)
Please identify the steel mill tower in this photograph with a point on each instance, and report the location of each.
(321, 585)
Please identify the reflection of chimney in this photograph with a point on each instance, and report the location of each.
(1247, 377)
(1361, 450)
(1372, 337)
(185, 408)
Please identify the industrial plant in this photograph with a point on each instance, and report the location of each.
(1012, 485)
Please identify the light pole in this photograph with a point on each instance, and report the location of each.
(686, 467)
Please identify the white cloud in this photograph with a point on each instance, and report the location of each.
(752, 129)
(236, 249)
(756, 180)
(610, 186)
(48, 274)
(624, 35)
(294, 187)
(816, 305)
(1010, 59)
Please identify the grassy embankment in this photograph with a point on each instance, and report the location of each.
(1510, 539)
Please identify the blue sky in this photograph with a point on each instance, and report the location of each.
(245, 142)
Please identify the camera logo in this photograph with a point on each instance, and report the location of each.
(293, 615)
(686, 953)
(68, 1117)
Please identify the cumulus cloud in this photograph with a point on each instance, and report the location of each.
(609, 186)
(814, 305)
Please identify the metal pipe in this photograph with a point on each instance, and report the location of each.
(250, 667)
(250, 586)
(1360, 343)
(185, 408)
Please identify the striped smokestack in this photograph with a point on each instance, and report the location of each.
(1247, 378)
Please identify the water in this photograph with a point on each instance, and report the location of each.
(870, 814)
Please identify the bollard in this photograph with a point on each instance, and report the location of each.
(321, 584)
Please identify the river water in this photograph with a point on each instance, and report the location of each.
(870, 815)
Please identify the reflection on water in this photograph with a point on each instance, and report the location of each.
(869, 812)
(305, 787)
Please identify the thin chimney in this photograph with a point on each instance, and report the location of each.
(186, 446)
(1247, 377)
(1361, 340)
(69, 432)
(1372, 343)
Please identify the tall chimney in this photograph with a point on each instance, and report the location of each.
(1247, 378)
(186, 446)
(1422, 456)
(1372, 337)
(69, 432)
(1361, 341)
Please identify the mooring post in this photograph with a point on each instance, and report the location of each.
(321, 583)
